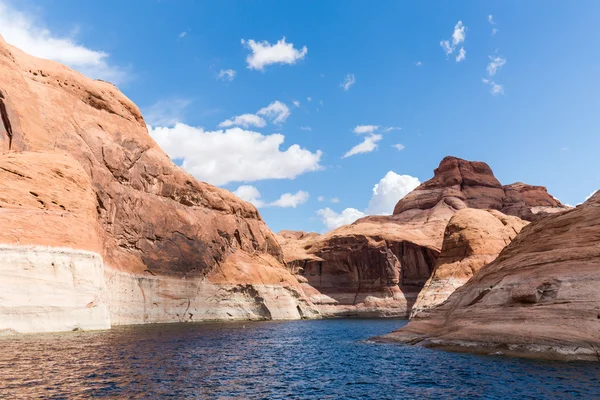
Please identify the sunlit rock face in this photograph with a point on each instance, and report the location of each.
(78, 170)
(472, 239)
(378, 265)
(539, 298)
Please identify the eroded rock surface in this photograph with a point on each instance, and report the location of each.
(539, 298)
(473, 238)
(85, 174)
(377, 265)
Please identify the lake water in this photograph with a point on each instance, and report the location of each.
(273, 360)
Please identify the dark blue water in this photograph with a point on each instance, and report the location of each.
(273, 360)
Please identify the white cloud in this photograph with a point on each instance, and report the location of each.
(23, 30)
(495, 88)
(265, 54)
(333, 220)
(226, 75)
(495, 64)
(419, 63)
(458, 37)
(306, 128)
(386, 193)
(244, 120)
(182, 34)
(321, 198)
(362, 129)
(494, 31)
(491, 19)
(335, 200)
(391, 128)
(399, 146)
(390, 189)
(234, 155)
(291, 200)
(276, 111)
(165, 112)
(296, 103)
(348, 82)
(309, 99)
(366, 146)
(252, 195)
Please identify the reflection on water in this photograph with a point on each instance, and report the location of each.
(275, 360)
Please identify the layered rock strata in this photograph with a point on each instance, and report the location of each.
(79, 170)
(378, 265)
(473, 238)
(539, 298)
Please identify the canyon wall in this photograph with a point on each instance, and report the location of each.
(78, 170)
(539, 298)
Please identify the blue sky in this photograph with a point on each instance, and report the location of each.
(524, 99)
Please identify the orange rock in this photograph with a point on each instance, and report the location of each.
(81, 144)
(539, 298)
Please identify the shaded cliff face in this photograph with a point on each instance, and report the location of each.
(472, 239)
(154, 216)
(78, 170)
(539, 298)
(386, 260)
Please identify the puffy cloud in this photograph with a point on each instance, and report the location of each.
(495, 88)
(291, 200)
(276, 111)
(166, 112)
(349, 80)
(366, 146)
(252, 195)
(226, 75)
(399, 146)
(391, 188)
(296, 103)
(362, 129)
(386, 193)
(462, 54)
(265, 54)
(495, 64)
(458, 37)
(24, 31)
(244, 120)
(333, 220)
(234, 155)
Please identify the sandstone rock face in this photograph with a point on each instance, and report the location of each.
(79, 170)
(377, 265)
(473, 238)
(539, 298)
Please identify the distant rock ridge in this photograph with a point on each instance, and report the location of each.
(538, 299)
(78, 169)
(377, 265)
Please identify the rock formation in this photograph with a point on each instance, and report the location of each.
(377, 265)
(82, 183)
(473, 238)
(539, 298)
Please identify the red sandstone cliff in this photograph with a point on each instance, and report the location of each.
(539, 298)
(79, 170)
